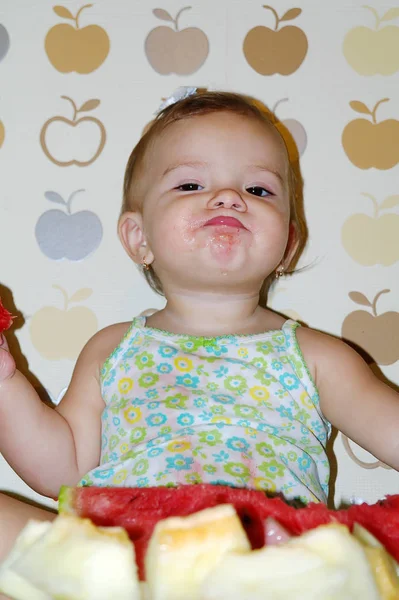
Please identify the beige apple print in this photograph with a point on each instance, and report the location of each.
(179, 51)
(72, 48)
(375, 334)
(279, 50)
(373, 464)
(371, 143)
(373, 239)
(96, 131)
(60, 333)
(374, 51)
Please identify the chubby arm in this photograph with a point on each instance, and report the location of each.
(351, 397)
(50, 447)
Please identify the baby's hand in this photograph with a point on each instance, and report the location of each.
(7, 363)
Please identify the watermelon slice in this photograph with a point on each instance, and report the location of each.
(139, 509)
(5, 318)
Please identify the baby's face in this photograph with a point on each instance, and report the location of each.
(216, 202)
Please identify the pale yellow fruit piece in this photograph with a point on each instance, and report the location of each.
(277, 573)
(383, 565)
(335, 544)
(323, 564)
(70, 559)
(183, 550)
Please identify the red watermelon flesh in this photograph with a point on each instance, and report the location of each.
(139, 509)
(5, 318)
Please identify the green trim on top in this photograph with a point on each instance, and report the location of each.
(210, 338)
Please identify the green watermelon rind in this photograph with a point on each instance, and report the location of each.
(67, 501)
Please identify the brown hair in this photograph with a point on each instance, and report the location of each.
(202, 103)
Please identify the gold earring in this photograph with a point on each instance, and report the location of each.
(279, 272)
(145, 265)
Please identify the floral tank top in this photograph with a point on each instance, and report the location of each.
(237, 410)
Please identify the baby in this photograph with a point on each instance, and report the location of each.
(215, 387)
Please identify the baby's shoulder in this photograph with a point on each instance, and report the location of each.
(102, 344)
(323, 352)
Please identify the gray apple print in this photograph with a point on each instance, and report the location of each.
(62, 234)
(4, 41)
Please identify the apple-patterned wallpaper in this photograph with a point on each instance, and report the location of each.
(80, 82)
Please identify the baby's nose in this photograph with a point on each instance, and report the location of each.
(228, 198)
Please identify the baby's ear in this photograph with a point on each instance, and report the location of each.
(131, 234)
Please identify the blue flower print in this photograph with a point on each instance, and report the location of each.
(285, 411)
(289, 381)
(137, 402)
(152, 394)
(103, 473)
(237, 444)
(304, 462)
(185, 419)
(104, 442)
(164, 368)
(154, 452)
(205, 416)
(221, 456)
(215, 349)
(156, 419)
(277, 364)
(244, 423)
(142, 482)
(153, 405)
(199, 402)
(113, 456)
(116, 421)
(221, 372)
(179, 462)
(108, 374)
(187, 380)
(268, 428)
(223, 398)
(167, 351)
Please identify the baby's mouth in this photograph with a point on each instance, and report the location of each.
(226, 221)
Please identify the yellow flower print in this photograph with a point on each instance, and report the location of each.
(260, 393)
(123, 448)
(183, 364)
(305, 400)
(264, 484)
(243, 352)
(120, 477)
(132, 414)
(125, 385)
(178, 446)
(221, 419)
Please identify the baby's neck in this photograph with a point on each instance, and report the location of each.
(213, 315)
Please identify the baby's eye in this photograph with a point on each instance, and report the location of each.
(257, 190)
(189, 187)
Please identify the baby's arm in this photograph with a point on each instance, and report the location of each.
(50, 447)
(352, 398)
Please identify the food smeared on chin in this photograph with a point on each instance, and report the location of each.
(6, 318)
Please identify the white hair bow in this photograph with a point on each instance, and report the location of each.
(179, 94)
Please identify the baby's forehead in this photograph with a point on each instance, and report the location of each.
(201, 128)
